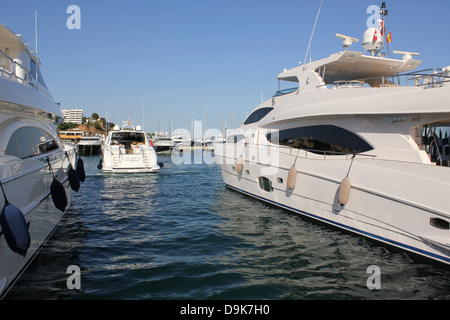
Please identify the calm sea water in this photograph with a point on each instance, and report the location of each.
(181, 234)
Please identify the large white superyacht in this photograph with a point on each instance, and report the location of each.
(360, 143)
(36, 169)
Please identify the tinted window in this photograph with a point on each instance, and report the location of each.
(29, 141)
(258, 115)
(235, 138)
(265, 184)
(329, 138)
(128, 137)
(33, 68)
(284, 91)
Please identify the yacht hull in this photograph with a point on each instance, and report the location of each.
(393, 211)
(131, 170)
(30, 192)
(115, 160)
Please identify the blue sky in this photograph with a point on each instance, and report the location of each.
(196, 59)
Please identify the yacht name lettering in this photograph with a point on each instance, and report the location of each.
(394, 119)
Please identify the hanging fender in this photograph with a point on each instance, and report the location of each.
(74, 180)
(58, 194)
(292, 177)
(80, 170)
(100, 164)
(239, 164)
(72, 175)
(15, 229)
(57, 191)
(344, 191)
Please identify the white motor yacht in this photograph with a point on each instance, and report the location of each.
(354, 145)
(128, 150)
(163, 144)
(89, 145)
(35, 167)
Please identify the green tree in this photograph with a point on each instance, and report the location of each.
(95, 116)
(98, 125)
(67, 126)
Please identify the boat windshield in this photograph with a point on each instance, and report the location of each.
(284, 91)
(127, 137)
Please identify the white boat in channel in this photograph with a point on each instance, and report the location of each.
(89, 145)
(128, 150)
(33, 160)
(163, 144)
(354, 145)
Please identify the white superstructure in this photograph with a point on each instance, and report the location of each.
(34, 164)
(356, 144)
(128, 150)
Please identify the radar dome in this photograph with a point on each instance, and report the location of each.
(373, 40)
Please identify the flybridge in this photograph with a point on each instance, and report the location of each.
(356, 69)
(348, 65)
(351, 68)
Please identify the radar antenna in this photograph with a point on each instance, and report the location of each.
(346, 40)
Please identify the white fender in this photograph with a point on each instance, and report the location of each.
(292, 177)
(344, 191)
(239, 164)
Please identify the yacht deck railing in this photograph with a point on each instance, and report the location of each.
(428, 78)
(14, 70)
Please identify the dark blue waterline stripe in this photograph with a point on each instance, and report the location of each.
(343, 226)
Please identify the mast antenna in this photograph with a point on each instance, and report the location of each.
(35, 31)
(312, 33)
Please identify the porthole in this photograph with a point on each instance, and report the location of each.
(265, 184)
(280, 180)
(247, 172)
(233, 168)
(440, 223)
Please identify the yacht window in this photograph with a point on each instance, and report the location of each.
(30, 141)
(320, 139)
(235, 138)
(33, 68)
(265, 184)
(440, 223)
(124, 137)
(284, 91)
(258, 115)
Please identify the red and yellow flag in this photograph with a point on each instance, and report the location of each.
(388, 37)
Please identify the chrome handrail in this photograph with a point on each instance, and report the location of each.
(15, 63)
(427, 78)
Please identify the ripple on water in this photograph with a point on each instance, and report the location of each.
(181, 234)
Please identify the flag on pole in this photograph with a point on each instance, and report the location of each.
(388, 37)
